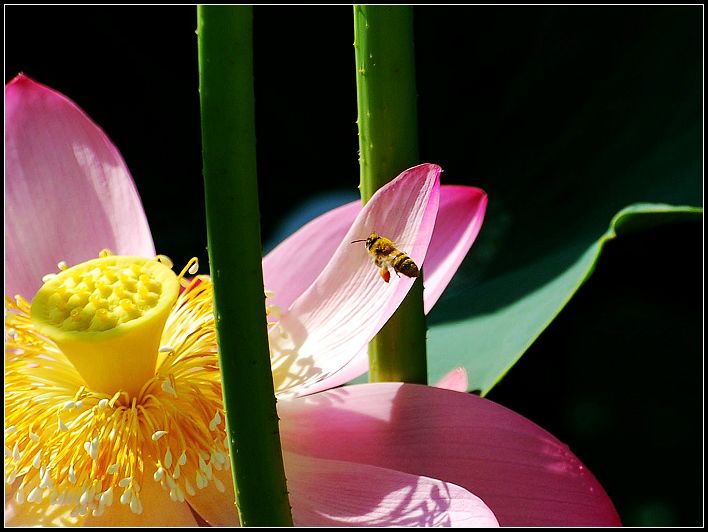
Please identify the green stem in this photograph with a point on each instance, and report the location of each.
(229, 152)
(388, 144)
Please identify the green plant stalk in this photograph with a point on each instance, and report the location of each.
(233, 227)
(388, 144)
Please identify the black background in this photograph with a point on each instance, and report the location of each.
(495, 86)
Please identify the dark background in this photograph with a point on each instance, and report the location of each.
(529, 103)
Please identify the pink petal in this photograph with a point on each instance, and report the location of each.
(68, 191)
(456, 228)
(525, 475)
(291, 267)
(296, 262)
(334, 493)
(348, 302)
(356, 367)
(456, 380)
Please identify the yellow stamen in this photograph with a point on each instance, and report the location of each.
(86, 449)
(106, 315)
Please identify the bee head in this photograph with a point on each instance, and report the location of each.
(373, 237)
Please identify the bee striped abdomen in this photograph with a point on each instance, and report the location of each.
(402, 263)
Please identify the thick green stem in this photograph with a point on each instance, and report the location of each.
(233, 226)
(388, 144)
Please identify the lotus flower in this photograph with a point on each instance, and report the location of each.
(80, 450)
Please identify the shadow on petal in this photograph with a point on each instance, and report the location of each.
(334, 493)
(525, 475)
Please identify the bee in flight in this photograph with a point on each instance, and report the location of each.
(386, 255)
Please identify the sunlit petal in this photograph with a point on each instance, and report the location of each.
(334, 493)
(525, 475)
(349, 302)
(68, 193)
(292, 266)
(340, 493)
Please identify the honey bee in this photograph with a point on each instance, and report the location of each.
(386, 255)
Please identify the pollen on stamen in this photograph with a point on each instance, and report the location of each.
(168, 387)
(165, 260)
(206, 468)
(86, 497)
(16, 454)
(191, 267)
(135, 505)
(158, 434)
(106, 498)
(91, 447)
(88, 444)
(35, 495)
(218, 457)
(180, 494)
(215, 422)
(44, 480)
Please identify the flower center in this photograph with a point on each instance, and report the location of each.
(107, 316)
(80, 437)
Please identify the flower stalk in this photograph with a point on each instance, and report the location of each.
(229, 154)
(388, 144)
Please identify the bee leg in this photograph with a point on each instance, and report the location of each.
(385, 274)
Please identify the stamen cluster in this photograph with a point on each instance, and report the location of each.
(66, 444)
